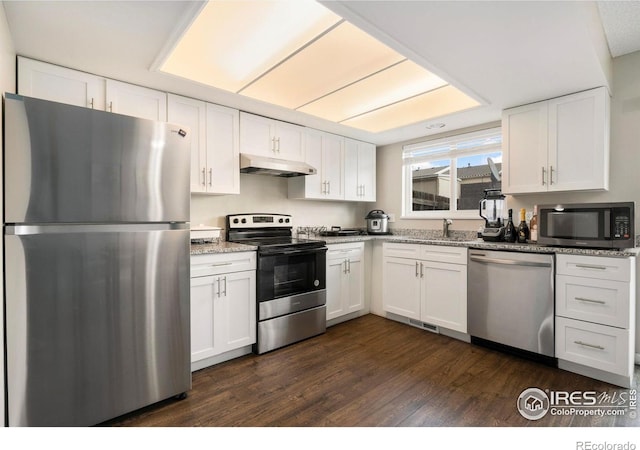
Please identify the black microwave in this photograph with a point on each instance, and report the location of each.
(587, 225)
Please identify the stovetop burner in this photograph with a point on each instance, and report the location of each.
(269, 232)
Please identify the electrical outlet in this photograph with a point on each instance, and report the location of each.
(392, 218)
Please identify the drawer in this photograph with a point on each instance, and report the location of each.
(348, 250)
(205, 265)
(600, 301)
(397, 250)
(617, 269)
(598, 346)
(442, 253)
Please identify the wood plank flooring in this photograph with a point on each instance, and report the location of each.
(371, 372)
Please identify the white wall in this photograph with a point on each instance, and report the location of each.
(624, 175)
(268, 194)
(7, 84)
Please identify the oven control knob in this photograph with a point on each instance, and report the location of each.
(316, 283)
(286, 220)
(244, 220)
(281, 220)
(235, 220)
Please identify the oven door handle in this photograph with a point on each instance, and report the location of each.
(292, 252)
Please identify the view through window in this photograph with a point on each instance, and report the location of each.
(451, 174)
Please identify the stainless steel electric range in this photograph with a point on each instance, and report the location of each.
(291, 279)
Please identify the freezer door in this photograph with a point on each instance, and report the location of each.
(66, 164)
(97, 323)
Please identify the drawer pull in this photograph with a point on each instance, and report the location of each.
(220, 264)
(589, 300)
(589, 266)
(597, 347)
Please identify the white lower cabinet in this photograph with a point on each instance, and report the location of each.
(223, 305)
(426, 283)
(595, 316)
(345, 279)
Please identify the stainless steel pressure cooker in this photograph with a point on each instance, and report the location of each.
(377, 222)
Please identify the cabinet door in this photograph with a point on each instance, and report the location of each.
(223, 160)
(59, 84)
(367, 171)
(137, 101)
(192, 113)
(336, 273)
(579, 141)
(203, 314)
(354, 299)
(289, 141)
(256, 135)
(314, 186)
(235, 322)
(401, 287)
(444, 295)
(524, 156)
(332, 164)
(351, 186)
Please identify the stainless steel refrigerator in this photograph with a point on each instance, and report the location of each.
(96, 248)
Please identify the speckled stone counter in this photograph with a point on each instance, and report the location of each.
(220, 247)
(480, 244)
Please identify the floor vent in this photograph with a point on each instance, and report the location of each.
(424, 326)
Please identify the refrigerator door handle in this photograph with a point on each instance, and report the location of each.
(24, 230)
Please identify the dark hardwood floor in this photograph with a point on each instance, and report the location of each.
(372, 372)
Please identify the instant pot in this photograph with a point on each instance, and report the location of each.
(377, 222)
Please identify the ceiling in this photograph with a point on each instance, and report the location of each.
(502, 53)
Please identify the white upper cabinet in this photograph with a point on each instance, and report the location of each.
(272, 138)
(59, 84)
(137, 101)
(324, 152)
(215, 166)
(560, 144)
(360, 171)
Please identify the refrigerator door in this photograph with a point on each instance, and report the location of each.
(71, 164)
(99, 321)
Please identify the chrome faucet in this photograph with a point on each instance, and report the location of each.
(445, 227)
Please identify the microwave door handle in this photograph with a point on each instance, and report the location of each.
(607, 224)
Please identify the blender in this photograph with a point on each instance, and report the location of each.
(492, 211)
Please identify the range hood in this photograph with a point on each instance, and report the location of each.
(263, 165)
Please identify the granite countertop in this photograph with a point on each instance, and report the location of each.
(480, 244)
(456, 241)
(220, 247)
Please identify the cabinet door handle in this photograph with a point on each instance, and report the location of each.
(278, 140)
(589, 266)
(110, 106)
(344, 269)
(204, 176)
(273, 144)
(543, 176)
(421, 270)
(364, 190)
(417, 269)
(210, 177)
(91, 103)
(328, 187)
(225, 286)
(218, 292)
(550, 175)
(324, 187)
(585, 344)
(589, 300)
(348, 266)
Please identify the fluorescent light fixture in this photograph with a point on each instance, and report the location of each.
(299, 55)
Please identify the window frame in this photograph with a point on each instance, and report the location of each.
(452, 155)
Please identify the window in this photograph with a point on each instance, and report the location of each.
(447, 177)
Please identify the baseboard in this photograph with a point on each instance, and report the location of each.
(227, 356)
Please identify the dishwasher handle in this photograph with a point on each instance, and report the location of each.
(507, 262)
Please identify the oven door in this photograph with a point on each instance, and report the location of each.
(290, 272)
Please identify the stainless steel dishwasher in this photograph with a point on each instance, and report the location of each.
(511, 302)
